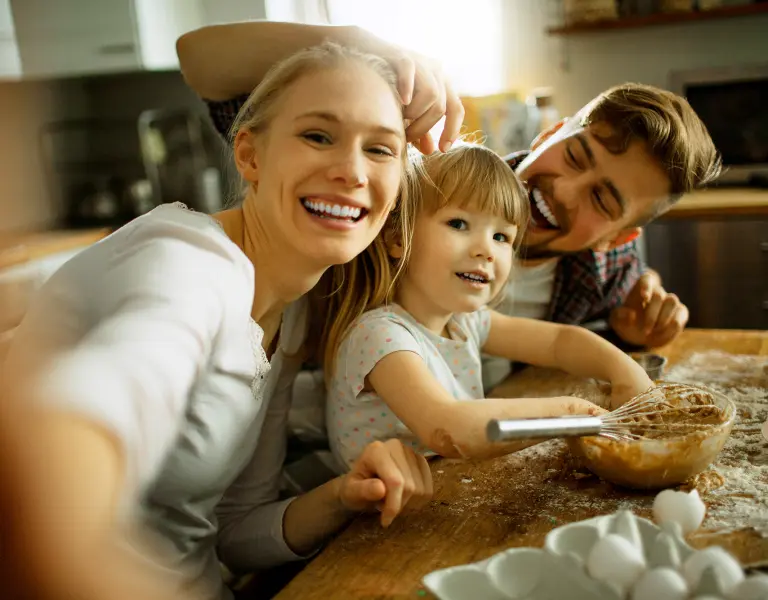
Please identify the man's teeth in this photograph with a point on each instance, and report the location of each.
(473, 277)
(332, 210)
(544, 208)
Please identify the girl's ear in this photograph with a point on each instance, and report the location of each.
(393, 243)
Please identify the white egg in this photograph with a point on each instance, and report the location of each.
(624, 523)
(614, 560)
(726, 569)
(684, 508)
(752, 588)
(660, 584)
(664, 552)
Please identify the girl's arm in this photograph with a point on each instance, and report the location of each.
(451, 427)
(572, 349)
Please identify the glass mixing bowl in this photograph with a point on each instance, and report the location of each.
(657, 463)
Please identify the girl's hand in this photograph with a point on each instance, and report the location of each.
(622, 392)
(388, 476)
(579, 406)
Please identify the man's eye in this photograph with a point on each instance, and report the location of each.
(460, 224)
(572, 159)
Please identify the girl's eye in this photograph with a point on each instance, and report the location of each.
(317, 137)
(501, 237)
(459, 224)
(381, 151)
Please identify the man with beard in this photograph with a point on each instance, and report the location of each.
(594, 181)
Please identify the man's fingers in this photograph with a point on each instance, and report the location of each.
(651, 313)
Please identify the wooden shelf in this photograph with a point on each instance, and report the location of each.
(663, 19)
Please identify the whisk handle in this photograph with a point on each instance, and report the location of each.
(549, 427)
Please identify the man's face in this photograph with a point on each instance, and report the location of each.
(582, 195)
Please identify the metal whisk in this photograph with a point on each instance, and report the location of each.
(664, 409)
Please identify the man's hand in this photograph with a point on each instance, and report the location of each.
(649, 316)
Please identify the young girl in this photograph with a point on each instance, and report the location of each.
(411, 369)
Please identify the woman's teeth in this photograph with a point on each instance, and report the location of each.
(332, 211)
(538, 198)
(473, 277)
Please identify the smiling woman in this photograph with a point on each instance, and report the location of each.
(158, 360)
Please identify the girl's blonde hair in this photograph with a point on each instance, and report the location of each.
(467, 175)
(344, 291)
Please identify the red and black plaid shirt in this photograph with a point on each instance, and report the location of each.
(588, 284)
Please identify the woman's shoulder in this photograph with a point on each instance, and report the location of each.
(179, 236)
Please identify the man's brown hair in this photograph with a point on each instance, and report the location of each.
(671, 129)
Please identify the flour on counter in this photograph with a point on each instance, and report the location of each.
(742, 500)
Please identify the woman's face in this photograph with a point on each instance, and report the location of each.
(327, 170)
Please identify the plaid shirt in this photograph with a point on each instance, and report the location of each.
(587, 285)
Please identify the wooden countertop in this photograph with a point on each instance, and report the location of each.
(483, 507)
(718, 202)
(19, 249)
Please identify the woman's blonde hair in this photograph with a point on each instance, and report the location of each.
(344, 291)
(467, 175)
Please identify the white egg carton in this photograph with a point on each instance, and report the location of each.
(664, 567)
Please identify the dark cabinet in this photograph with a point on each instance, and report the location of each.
(718, 268)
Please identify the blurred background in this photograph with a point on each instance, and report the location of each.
(98, 126)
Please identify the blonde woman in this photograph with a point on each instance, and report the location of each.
(411, 369)
(156, 362)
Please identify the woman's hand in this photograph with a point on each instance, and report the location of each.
(388, 477)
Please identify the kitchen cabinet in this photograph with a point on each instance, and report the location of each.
(228, 11)
(717, 266)
(10, 65)
(78, 37)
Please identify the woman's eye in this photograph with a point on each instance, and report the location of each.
(459, 224)
(317, 137)
(501, 237)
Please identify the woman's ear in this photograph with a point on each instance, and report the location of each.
(245, 156)
(546, 134)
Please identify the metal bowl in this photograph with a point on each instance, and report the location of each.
(657, 463)
(654, 364)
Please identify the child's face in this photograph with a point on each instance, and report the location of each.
(460, 260)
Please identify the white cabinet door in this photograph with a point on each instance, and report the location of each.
(69, 37)
(10, 65)
(228, 11)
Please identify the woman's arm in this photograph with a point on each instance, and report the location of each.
(572, 349)
(451, 427)
(106, 399)
(221, 62)
(387, 476)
